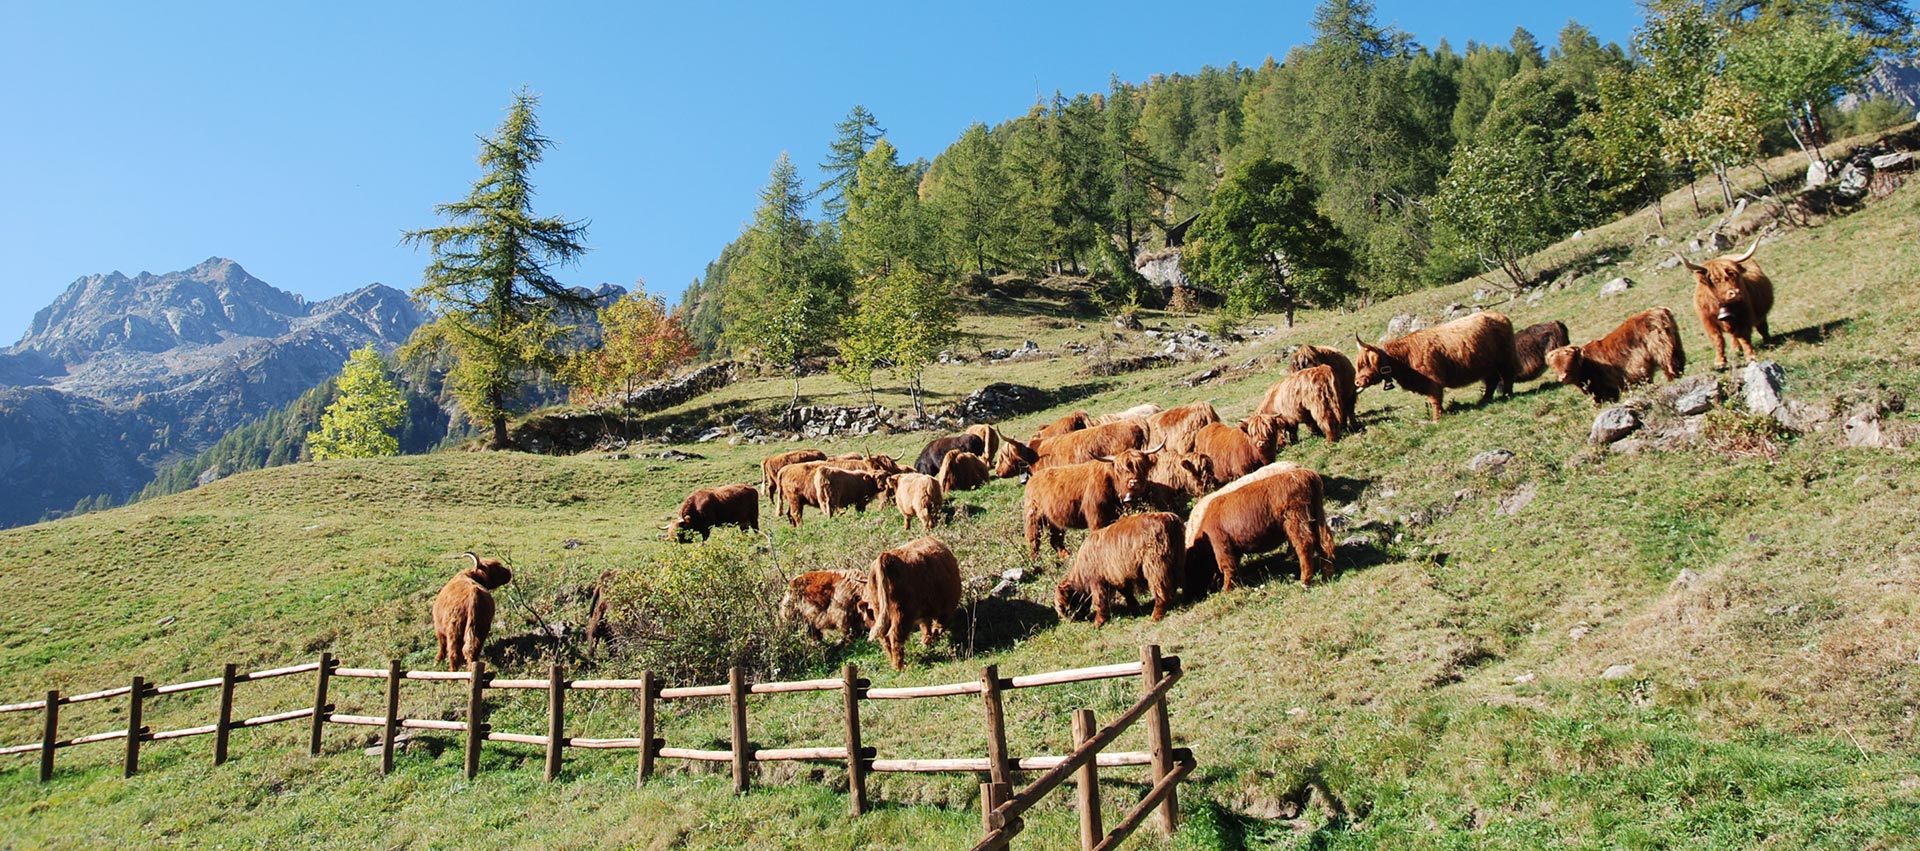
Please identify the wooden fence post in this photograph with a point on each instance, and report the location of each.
(320, 706)
(222, 728)
(556, 719)
(134, 730)
(393, 717)
(648, 748)
(476, 716)
(50, 736)
(998, 767)
(737, 696)
(1159, 738)
(856, 766)
(1087, 791)
(992, 795)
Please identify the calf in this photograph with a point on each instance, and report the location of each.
(770, 469)
(1141, 551)
(835, 489)
(1732, 297)
(1310, 397)
(963, 471)
(918, 495)
(463, 610)
(1628, 355)
(1175, 427)
(1278, 504)
(914, 584)
(1175, 479)
(1309, 356)
(937, 449)
(823, 600)
(1476, 348)
(1531, 345)
(1080, 496)
(1234, 452)
(726, 505)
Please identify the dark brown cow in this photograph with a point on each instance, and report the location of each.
(1477, 348)
(936, 450)
(1234, 452)
(1142, 552)
(835, 489)
(1080, 496)
(963, 471)
(1175, 479)
(1531, 345)
(1310, 397)
(1732, 297)
(825, 600)
(463, 610)
(726, 505)
(1175, 427)
(1308, 357)
(770, 469)
(1092, 443)
(1070, 423)
(914, 584)
(1648, 341)
(1278, 504)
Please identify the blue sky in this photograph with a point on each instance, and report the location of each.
(300, 139)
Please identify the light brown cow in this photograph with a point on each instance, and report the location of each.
(1732, 297)
(1531, 345)
(918, 495)
(1070, 423)
(914, 584)
(1014, 459)
(1090, 443)
(1175, 479)
(963, 471)
(1175, 427)
(825, 600)
(1080, 496)
(1309, 356)
(1310, 397)
(990, 439)
(1630, 354)
(1278, 504)
(836, 489)
(1136, 413)
(463, 610)
(726, 505)
(770, 469)
(1234, 452)
(1476, 348)
(1141, 552)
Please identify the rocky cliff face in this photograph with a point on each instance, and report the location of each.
(1897, 80)
(121, 374)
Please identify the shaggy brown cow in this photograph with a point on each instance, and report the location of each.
(1234, 452)
(1175, 427)
(770, 469)
(1137, 412)
(936, 451)
(1279, 503)
(1070, 423)
(1628, 355)
(826, 600)
(1309, 356)
(990, 439)
(963, 471)
(1733, 297)
(876, 463)
(835, 488)
(1080, 496)
(795, 482)
(1459, 353)
(1310, 397)
(1015, 459)
(463, 610)
(726, 505)
(1142, 551)
(1091, 443)
(1175, 479)
(1531, 345)
(914, 584)
(918, 495)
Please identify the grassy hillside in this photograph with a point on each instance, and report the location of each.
(1443, 690)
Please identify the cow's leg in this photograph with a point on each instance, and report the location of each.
(1766, 338)
(1437, 401)
(1226, 561)
(895, 646)
(1033, 536)
(1306, 543)
(1101, 600)
(906, 522)
(1744, 339)
(1712, 327)
(1058, 537)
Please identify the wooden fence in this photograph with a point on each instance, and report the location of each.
(1001, 807)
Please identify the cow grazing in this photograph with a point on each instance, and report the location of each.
(1309, 356)
(795, 483)
(1014, 459)
(1628, 355)
(1091, 443)
(918, 495)
(726, 505)
(1278, 504)
(1733, 298)
(1070, 423)
(1175, 427)
(936, 451)
(823, 600)
(1234, 452)
(990, 439)
(835, 488)
(1476, 348)
(770, 469)
(1175, 479)
(876, 463)
(963, 471)
(463, 610)
(914, 584)
(1310, 397)
(1143, 552)
(1080, 496)
(1531, 345)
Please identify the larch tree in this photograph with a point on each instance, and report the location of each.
(490, 284)
(883, 225)
(854, 136)
(1263, 243)
(967, 197)
(787, 290)
(361, 420)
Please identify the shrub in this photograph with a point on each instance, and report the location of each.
(1739, 435)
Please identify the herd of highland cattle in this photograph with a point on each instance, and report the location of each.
(1213, 492)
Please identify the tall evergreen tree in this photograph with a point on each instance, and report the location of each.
(966, 190)
(787, 291)
(883, 225)
(854, 135)
(490, 282)
(1263, 244)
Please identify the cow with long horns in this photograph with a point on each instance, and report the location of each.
(1732, 297)
(1476, 348)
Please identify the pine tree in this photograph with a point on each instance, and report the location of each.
(786, 292)
(968, 196)
(361, 420)
(490, 282)
(855, 136)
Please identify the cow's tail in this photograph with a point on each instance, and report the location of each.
(881, 592)
(1317, 513)
(1672, 355)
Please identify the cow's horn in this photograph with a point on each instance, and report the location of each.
(1364, 344)
(1157, 447)
(1688, 263)
(1103, 457)
(1749, 255)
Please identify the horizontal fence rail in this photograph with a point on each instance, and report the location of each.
(1002, 808)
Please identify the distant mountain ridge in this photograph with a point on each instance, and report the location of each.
(120, 374)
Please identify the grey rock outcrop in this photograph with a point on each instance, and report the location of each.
(1614, 423)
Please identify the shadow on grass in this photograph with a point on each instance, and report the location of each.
(993, 623)
(1814, 334)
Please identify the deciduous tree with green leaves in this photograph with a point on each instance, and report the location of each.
(1264, 244)
(903, 320)
(639, 342)
(490, 284)
(361, 420)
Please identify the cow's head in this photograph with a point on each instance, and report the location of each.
(1564, 362)
(1373, 364)
(1130, 469)
(1070, 601)
(1265, 432)
(1722, 277)
(1014, 459)
(491, 573)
